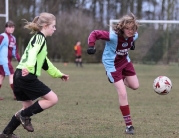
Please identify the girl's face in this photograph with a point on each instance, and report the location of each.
(129, 31)
(50, 29)
(10, 29)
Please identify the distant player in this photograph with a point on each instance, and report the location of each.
(118, 66)
(78, 54)
(8, 50)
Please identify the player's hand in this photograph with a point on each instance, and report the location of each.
(91, 50)
(65, 77)
(25, 72)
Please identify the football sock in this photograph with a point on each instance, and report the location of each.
(13, 124)
(12, 86)
(80, 64)
(31, 110)
(76, 63)
(0, 85)
(126, 114)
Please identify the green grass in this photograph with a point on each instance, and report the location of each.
(88, 105)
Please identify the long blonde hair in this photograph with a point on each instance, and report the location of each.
(126, 21)
(39, 21)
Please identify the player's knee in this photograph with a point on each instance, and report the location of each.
(135, 87)
(55, 100)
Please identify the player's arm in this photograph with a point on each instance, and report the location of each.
(1, 38)
(51, 69)
(15, 53)
(93, 37)
(134, 38)
(96, 35)
(136, 35)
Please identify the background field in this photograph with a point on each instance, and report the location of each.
(88, 105)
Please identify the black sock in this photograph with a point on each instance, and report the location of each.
(76, 63)
(31, 110)
(81, 64)
(13, 124)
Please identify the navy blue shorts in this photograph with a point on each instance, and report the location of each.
(28, 87)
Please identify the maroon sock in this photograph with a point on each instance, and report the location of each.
(12, 87)
(126, 114)
(0, 85)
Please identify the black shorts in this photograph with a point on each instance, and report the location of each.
(78, 57)
(28, 87)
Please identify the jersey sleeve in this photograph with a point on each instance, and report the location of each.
(51, 69)
(96, 35)
(135, 36)
(1, 38)
(15, 53)
(36, 45)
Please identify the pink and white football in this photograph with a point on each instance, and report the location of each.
(162, 85)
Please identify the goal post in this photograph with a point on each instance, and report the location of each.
(112, 21)
(158, 42)
(6, 14)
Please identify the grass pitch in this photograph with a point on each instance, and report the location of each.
(88, 105)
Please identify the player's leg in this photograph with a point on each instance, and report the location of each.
(1, 80)
(116, 77)
(9, 71)
(46, 102)
(21, 95)
(122, 93)
(124, 106)
(80, 61)
(14, 122)
(25, 120)
(132, 82)
(129, 77)
(2, 76)
(11, 84)
(76, 61)
(30, 88)
(11, 126)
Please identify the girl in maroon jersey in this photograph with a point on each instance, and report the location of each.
(118, 66)
(8, 50)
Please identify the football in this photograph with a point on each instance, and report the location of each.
(162, 85)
